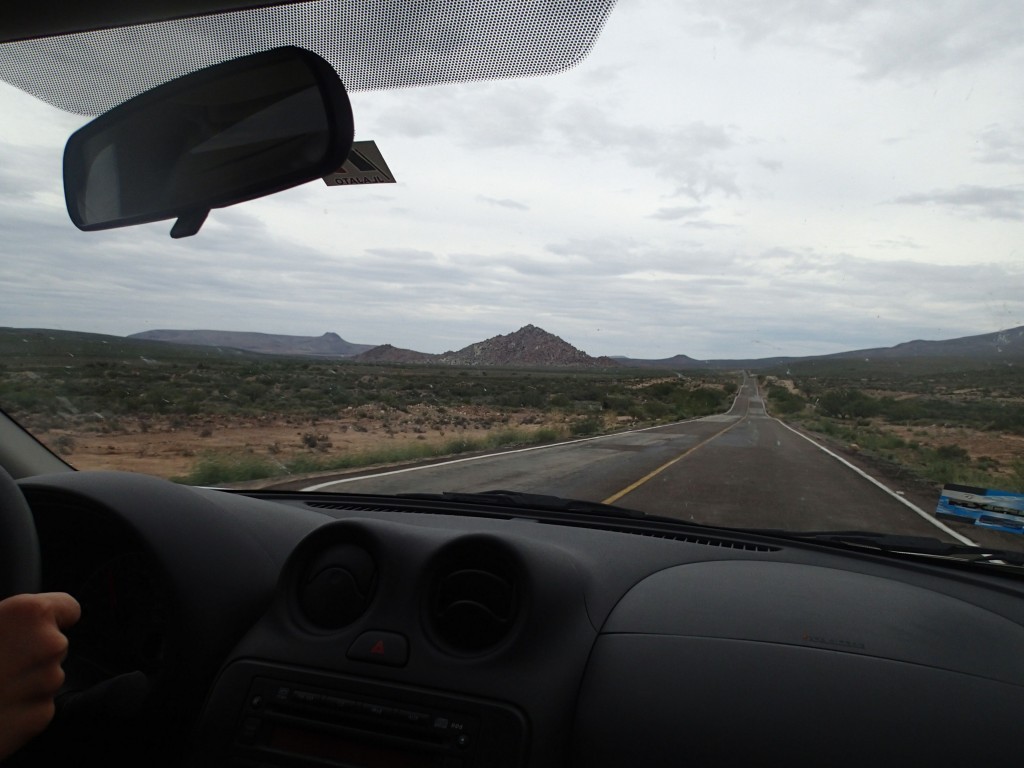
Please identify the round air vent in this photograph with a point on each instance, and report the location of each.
(337, 586)
(474, 599)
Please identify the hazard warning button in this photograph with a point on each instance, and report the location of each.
(380, 647)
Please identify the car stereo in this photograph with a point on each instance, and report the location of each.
(309, 719)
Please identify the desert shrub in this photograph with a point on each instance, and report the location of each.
(65, 445)
(656, 409)
(951, 453)
(560, 400)
(783, 401)
(847, 404)
(212, 469)
(591, 425)
(545, 435)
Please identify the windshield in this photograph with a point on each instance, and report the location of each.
(745, 266)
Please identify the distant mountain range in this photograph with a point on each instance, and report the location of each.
(1002, 345)
(328, 345)
(534, 347)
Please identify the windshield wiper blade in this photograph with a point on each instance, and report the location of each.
(537, 501)
(914, 545)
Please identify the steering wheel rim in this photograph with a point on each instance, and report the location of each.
(19, 546)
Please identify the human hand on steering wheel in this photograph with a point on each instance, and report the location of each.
(32, 642)
(32, 647)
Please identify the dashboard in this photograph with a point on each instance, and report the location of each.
(298, 630)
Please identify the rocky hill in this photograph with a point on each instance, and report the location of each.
(328, 345)
(386, 353)
(530, 346)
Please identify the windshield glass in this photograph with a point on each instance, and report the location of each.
(741, 266)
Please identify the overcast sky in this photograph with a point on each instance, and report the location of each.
(717, 179)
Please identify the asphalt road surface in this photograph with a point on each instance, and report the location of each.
(739, 469)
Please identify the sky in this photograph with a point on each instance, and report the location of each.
(718, 179)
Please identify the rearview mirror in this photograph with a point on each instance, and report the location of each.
(225, 134)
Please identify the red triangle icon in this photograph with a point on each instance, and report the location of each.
(378, 647)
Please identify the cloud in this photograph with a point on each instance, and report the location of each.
(752, 24)
(526, 118)
(744, 305)
(688, 216)
(28, 172)
(606, 295)
(931, 38)
(473, 115)
(896, 244)
(883, 38)
(988, 202)
(503, 203)
(679, 212)
(1001, 145)
(686, 155)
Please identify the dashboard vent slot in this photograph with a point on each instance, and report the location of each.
(707, 542)
(473, 601)
(671, 535)
(350, 507)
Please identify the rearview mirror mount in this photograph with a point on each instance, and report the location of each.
(220, 136)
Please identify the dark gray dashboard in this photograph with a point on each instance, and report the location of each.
(395, 632)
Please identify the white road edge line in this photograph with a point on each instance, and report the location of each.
(403, 470)
(937, 523)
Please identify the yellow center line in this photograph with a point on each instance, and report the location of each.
(630, 488)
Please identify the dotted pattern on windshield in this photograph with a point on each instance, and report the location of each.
(373, 45)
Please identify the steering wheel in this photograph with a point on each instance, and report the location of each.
(19, 547)
(86, 721)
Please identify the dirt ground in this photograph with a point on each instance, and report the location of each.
(1003, 447)
(169, 448)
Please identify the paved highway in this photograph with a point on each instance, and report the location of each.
(738, 469)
